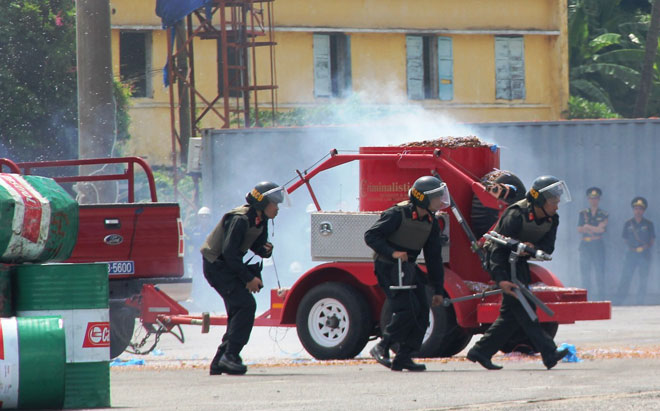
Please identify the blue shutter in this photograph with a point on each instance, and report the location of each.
(509, 68)
(322, 80)
(445, 69)
(415, 67)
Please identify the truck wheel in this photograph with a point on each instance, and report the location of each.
(434, 338)
(520, 343)
(122, 323)
(333, 322)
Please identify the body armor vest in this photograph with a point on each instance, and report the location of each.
(411, 234)
(212, 247)
(531, 232)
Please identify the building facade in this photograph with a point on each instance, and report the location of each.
(469, 60)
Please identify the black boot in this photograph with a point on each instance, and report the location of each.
(475, 356)
(381, 353)
(232, 364)
(215, 368)
(555, 357)
(403, 361)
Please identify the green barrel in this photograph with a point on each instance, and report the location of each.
(79, 294)
(38, 220)
(32, 360)
(6, 303)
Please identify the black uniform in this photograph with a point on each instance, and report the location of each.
(639, 238)
(400, 229)
(518, 222)
(592, 251)
(239, 230)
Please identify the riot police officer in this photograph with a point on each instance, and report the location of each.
(534, 221)
(241, 229)
(401, 233)
(639, 234)
(592, 224)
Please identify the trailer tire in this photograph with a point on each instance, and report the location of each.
(520, 343)
(122, 325)
(436, 338)
(333, 322)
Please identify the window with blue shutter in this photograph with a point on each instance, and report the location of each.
(445, 69)
(509, 68)
(429, 67)
(415, 67)
(322, 79)
(332, 65)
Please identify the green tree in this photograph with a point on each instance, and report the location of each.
(37, 77)
(606, 52)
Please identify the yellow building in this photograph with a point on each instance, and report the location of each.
(472, 60)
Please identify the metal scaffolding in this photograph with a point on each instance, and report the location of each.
(239, 27)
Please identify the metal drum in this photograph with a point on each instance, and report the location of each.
(39, 220)
(79, 294)
(32, 358)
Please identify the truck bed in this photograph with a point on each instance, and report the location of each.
(141, 242)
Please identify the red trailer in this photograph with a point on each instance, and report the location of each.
(337, 306)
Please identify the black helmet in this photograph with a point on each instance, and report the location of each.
(545, 187)
(639, 202)
(427, 188)
(263, 193)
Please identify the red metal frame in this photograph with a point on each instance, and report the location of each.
(128, 174)
(404, 160)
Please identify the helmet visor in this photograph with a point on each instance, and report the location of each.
(278, 195)
(438, 197)
(558, 190)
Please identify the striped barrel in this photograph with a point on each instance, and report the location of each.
(79, 294)
(39, 220)
(32, 358)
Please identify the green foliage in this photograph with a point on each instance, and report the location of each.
(37, 76)
(606, 52)
(122, 94)
(582, 108)
(164, 179)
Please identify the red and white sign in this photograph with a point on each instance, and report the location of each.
(97, 335)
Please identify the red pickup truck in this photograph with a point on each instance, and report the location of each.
(142, 243)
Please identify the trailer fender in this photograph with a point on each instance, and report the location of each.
(543, 275)
(466, 313)
(358, 275)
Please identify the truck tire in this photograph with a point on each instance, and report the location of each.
(520, 343)
(333, 322)
(439, 334)
(122, 324)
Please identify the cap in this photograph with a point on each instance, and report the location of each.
(594, 192)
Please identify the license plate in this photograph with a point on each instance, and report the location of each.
(121, 267)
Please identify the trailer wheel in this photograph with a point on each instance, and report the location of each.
(520, 343)
(435, 337)
(333, 322)
(122, 324)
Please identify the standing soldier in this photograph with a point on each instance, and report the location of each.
(533, 221)
(401, 233)
(241, 229)
(639, 234)
(592, 224)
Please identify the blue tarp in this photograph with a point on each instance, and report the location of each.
(171, 11)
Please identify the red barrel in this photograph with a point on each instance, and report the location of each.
(384, 183)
